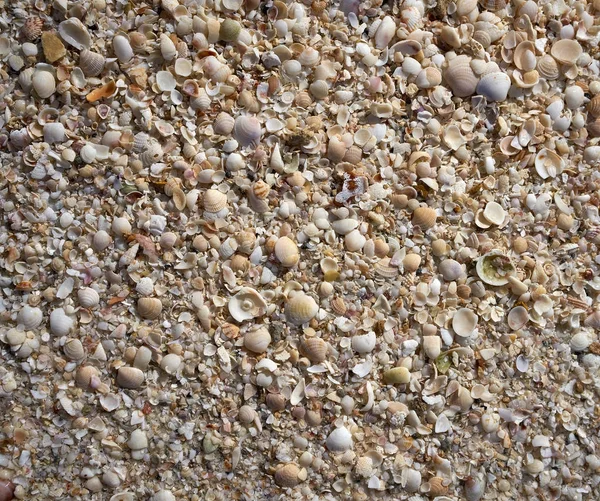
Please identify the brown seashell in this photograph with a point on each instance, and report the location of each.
(437, 487)
(84, 376)
(32, 29)
(460, 77)
(91, 63)
(493, 5)
(246, 242)
(149, 308)
(593, 106)
(314, 348)
(594, 128)
(261, 189)
(106, 90)
(275, 401)
(411, 262)
(353, 155)
(287, 475)
(130, 377)
(223, 124)
(214, 201)
(424, 217)
(338, 305)
(230, 331)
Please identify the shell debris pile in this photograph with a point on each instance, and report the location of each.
(299, 249)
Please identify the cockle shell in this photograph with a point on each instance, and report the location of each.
(309, 57)
(223, 124)
(494, 268)
(91, 63)
(247, 304)
(460, 77)
(44, 83)
(74, 349)
(88, 297)
(74, 32)
(314, 348)
(301, 308)
(339, 440)
(61, 323)
(303, 99)
(548, 163)
(85, 375)
(247, 131)
(257, 340)
(286, 252)
(30, 317)
(214, 201)
(464, 322)
(566, 51)
(149, 308)
(547, 67)
(32, 29)
(593, 106)
(287, 475)
(424, 217)
(122, 48)
(130, 377)
(494, 86)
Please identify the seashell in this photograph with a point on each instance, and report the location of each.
(91, 63)
(32, 29)
(517, 317)
(247, 304)
(286, 252)
(165, 81)
(287, 475)
(106, 90)
(319, 89)
(85, 375)
(494, 268)
(303, 99)
(385, 32)
(74, 32)
(223, 124)
(464, 322)
(385, 269)
(247, 131)
(339, 440)
(54, 132)
(214, 201)
(547, 67)
(122, 48)
(30, 317)
(145, 286)
(354, 241)
(229, 30)
(566, 51)
(101, 240)
(246, 242)
(451, 270)
(246, 414)
(88, 297)
(593, 106)
(171, 363)
(548, 163)
(300, 308)
(575, 96)
(183, 67)
(149, 308)
(428, 78)
(44, 83)
(364, 343)
(74, 350)
(130, 377)
(167, 48)
(465, 7)
(411, 17)
(137, 440)
(257, 340)
(192, 89)
(432, 346)
(581, 341)
(453, 137)
(410, 479)
(494, 86)
(314, 348)
(483, 37)
(424, 217)
(494, 213)
(460, 77)
(336, 149)
(397, 375)
(309, 57)
(61, 323)
(411, 262)
(142, 359)
(493, 5)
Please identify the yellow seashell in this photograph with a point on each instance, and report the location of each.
(286, 252)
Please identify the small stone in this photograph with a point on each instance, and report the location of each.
(53, 47)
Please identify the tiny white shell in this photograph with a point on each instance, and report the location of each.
(364, 343)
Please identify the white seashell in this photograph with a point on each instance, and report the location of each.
(319, 89)
(451, 270)
(355, 241)
(145, 286)
(214, 201)
(101, 240)
(54, 133)
(581, 341)
(167, 47)
(137, 440)
(15, 337)
(300, 309)
(460, 77)
(464, 322)
(247, 304)
(163, 495)
(122, 48)
(91, 63)
(495, 269)
(453, 137)
(247, 131)
(142, 359)
(223, 124)
(61, 323)
(30, 317)
(494, 86)
(74, 349)
(309, 57)
(410, 480)
(574, 97)
(44, 83)
(171, 363)
(548, 163)
(121, 226)
(385, 32)
(130, 377)
(432, 346)
(257, 340)
(566, 51)
(286, 252)
(74, 32)
(364, 343)
(517, 318)
(165, 81)
(494, 213)
(88, 297)
(339, 440)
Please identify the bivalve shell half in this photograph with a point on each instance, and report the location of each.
(339, 440)
(149, 308)
(460, 77)
(286, 252)
(91, 63)
(88, 297)
(214, 201)
(74, 32)
(287, 475)
(547, 67)
(85, 375)
(314, 348)
(300, 309)
(44, 83)
(61, 323)
(494, 213)
(424, 217)
(74, 349)
(451, 270)
(464, 322)
(223, 124)
(517, 317)
(229, 30)
(30, 317)
(494, 86)
(397, 375)
(566, 51)
(494, 268)
(130, 378)
(247, 131)
(257, 340)
(548, 163)
(122, 48)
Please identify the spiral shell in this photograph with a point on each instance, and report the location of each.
(460, 77)
(30, 317)
(286, 252)
(287, 475)
(257, 340)
(300, 309)
(149, 308)
(247, 131)
(91, 63)
(424, 217)
(88, 297)
(74, 349)
(223, 124)
(314, 348)
(74, 32)
(130, 377)
(214, 201)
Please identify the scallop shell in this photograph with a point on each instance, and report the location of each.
(130, 377)
(566, 51)
(61, 323)
(257, 340)
(122, 48)
(223, 124)
(494, 86)
(286, 252)
(547, 67)
(247, 131)
(74, 349)
(247, 304)
(88, 297)
(44, 83)
(424, 217)
(548, 163)
(287, 475)
(74, 32)
(32, 29)
(30, 317)
(300, 309)
(494, 268)
(464, 322)
(149, 308)
(460, 77)
(314, 348)
(214, 201)
(339, 440)
(91, 63)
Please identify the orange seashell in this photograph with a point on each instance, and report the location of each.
(107, 90)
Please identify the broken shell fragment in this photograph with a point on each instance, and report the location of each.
(247, 304)
(494, 268)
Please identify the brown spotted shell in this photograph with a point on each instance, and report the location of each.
(314, 348)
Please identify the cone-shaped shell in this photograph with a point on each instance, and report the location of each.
(286, 252)
(149, 308)
(300, 309)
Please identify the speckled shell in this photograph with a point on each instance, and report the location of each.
(149, 308)
(460, 77)
(287, 475)
(424, 217)
(314, 348)
(300, 309)
(88, 297)
(214, 201)
(287, 252)
(130, 377)
(91, 63)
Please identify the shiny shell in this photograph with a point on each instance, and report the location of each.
(61, 323)
(464, 322)
(74, 349)
(287, 475)
(424, 217)
(548, 163)
(287, 252)
(593, 106)
(88, 297)
(122, 48)
(300, 308)
(339, 440)
(460, 77)
(257, 340)
(30, 317)
(74, 32)
(494, 86)
(44, 83)
(547, 67)
(130, 378)
(214, 201)
(149, 308)
(91, 63)
(411, 262)
(495, 268)
(247, 131)
(85, 375)
(315, 349)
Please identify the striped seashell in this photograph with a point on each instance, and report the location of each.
(30, 317)
(32, 29)
(74, 350)
(412, 18)
(152, 153)
(384, 269)
(149, 308)
(424, 217)
(247, 131)
(261, 189)
(88, 297)
(493, 5)
(257, 340)
(300, 309)
(314, 348)
(303, 99)
(91, 63)
(214, 201)
(122, 48)
(130, 377)
(223, 124)
(460, 77)
(353, 155)
(483, 37)
(593, 106)
(338, 306)
(140, 142)
(44, 83)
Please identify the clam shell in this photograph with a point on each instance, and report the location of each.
(517, 317)
(581, 341)
(451, 270)
(122, 48)
(171, 363)
(424, 217)
(286, 252)
(214, 201)
(287, 475)
(411, 262)
(494, 86)
(548, 163)
(88, 297)
(247, 131)
(464, 322)
(428, 78)
(493, 5)
(101, 240)
(319, 89)
(30, 317)
(74, 32)
(354, 241)
(494, 268)
(257, 340)
(85, 375)
(339, 440)
(385, 32)
(494, 213)
(524, 56)
(464, 7)
(223, 124)
(130, 377)
(149, 308)
(303, 99)
(44, 83)
(300, 309)
(246, 414)
(566, 51)
(60, 323)
(314, 348)
(137, 440)
(460, 77)
(167, 47)
(397, 375)
(165, 81)
(364, 343)
(91, 63)
(247, 304)
(229, 30)
(309, 57)
(74, 349)
(145, 286)
(547, 67)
